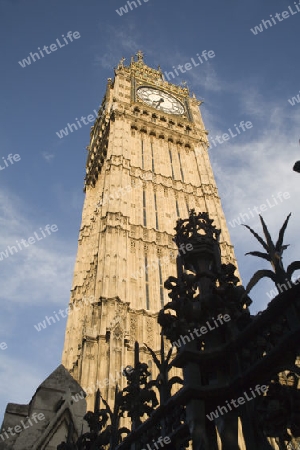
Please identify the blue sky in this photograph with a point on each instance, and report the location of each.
(250, 78)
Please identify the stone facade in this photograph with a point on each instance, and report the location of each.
(49, 417)
(146, 167)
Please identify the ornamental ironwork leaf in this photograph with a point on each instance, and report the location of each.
(274, 253)
(295, 265)
(174, 380)
(271, 246)
(258, 276)
(281, 234)
(164, 366)
(260, 255)
(262, 242)
(154, 357)
(168, 357)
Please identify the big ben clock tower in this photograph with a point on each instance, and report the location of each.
(147, 166)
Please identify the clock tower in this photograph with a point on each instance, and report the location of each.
(147, 166)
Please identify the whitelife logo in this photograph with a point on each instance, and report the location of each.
(31, 240)
(202, 330)
(53, 48)
(267, 23)
(256, 210)
(11, 158)
(244, 126)
(101, 384)
(90, 118)
(69, 310)
(18, 428)
(124, 9)
(3, 346)
(292, 101)
(161, 441)
(188, 66)
(236, 403)
(273, 292)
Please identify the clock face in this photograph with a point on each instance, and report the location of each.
(160, 100)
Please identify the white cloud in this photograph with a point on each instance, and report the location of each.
(121, 40)
(251, 169)
(38, 273)
(34, 282)
(205, 77)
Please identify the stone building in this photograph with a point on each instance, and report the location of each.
(46, 421)
(147, 166)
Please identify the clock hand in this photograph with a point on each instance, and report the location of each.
(158, 102)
